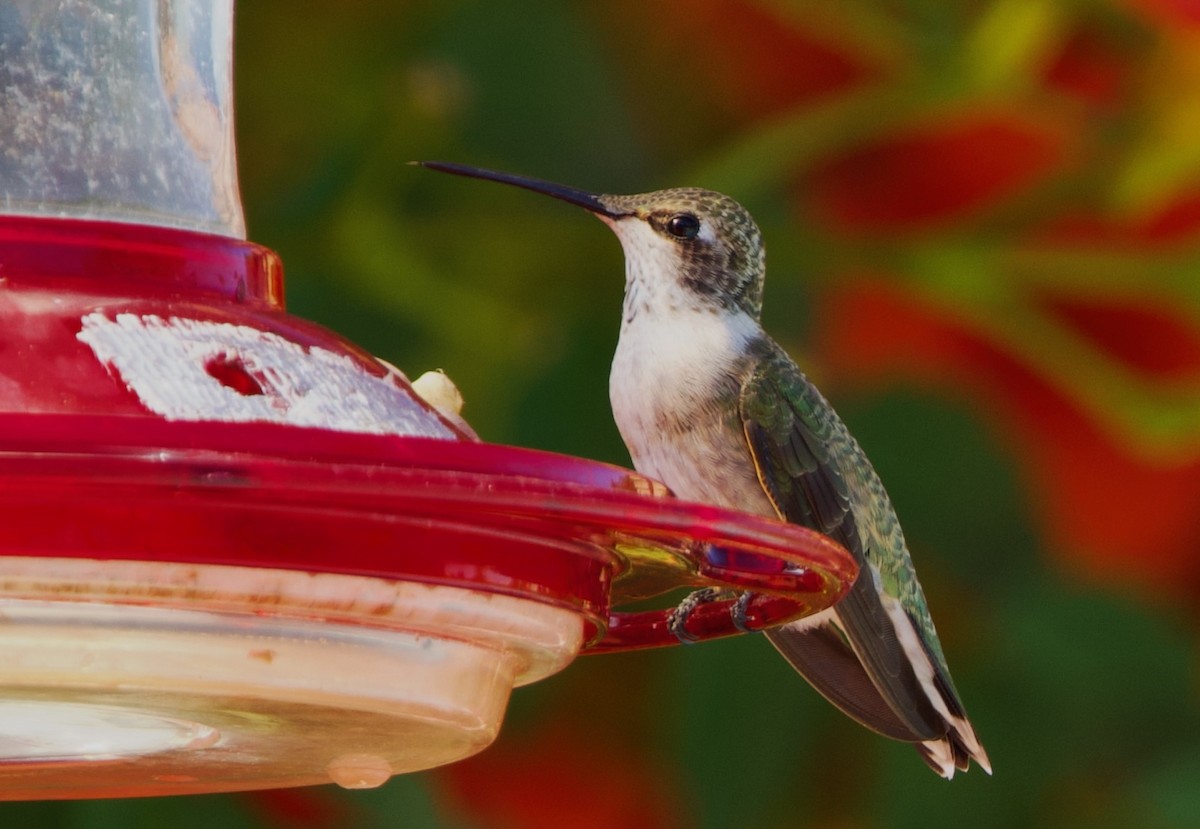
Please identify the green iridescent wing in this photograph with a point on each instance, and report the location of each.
(805, 462)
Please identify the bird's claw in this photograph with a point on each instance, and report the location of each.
(739, 612)
(677, 621)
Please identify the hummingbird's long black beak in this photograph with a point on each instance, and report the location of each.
(573, 195)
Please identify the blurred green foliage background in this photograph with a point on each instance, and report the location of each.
(983, 231)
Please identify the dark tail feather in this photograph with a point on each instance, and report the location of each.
(960, 753)
(821, 656)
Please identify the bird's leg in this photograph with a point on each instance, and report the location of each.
(677, 621)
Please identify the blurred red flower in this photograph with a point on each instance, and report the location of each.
(562, 775)
(1090, 67)
(304, 808)
(1181, 15)
(746, 58)
(1175, 222)
(941, 172)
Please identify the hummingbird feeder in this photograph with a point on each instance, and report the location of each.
(236, 550)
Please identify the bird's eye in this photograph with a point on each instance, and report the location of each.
(683, 226)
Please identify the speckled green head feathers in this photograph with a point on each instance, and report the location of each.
(720, 249)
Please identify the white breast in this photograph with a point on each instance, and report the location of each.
(674, 361)
(673, 402)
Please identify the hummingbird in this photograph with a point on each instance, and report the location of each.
(710, 405)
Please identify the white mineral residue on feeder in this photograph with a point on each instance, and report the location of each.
(201, 370)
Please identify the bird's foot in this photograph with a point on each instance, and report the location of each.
(739, 612)
(677, 621)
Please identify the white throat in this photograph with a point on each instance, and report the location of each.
(651, 262)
